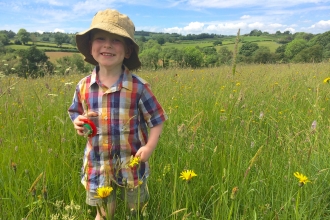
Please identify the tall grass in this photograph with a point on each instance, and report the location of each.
(244, 136)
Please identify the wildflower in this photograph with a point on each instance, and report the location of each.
(187, 175)
(326, 80)
(261, 115)
(13, 166)
(166, 169)
(234, 192)
(103, 192)
(302, 179)
(222, 110)
(133, 161)
(238, 84)
(68, 84)
(313, 127)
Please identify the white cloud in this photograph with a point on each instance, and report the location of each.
(275, 25)
(92, 6)
(173, 30)
(292, 30)
(245, 17)
(40, 32)
(244, 3)
(194, 27)
(58, 30)
(322, 24)
(256, 25)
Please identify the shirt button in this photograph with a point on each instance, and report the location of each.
(105, 118)
(106, 141)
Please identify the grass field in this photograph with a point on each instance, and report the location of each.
(244, 135)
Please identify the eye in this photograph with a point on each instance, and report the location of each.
(99, 38)
(115, 40)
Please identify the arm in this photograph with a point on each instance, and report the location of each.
(145, 151)
(77, 113)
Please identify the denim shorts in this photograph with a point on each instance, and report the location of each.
(137, 195)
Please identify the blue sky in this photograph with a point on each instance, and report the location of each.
(171, 16)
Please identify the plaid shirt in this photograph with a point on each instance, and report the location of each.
(124, 112)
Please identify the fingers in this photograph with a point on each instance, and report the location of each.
(92, 114)
(78, 125)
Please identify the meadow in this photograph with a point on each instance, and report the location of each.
(244, 135)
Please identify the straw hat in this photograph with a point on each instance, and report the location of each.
(115, 23)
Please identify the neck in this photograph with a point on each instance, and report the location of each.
(109, 76)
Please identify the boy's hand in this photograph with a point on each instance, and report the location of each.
(144, 153)
(78, 123)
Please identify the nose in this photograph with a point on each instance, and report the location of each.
(108, 43)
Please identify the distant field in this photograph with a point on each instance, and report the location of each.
(271, 44)
(53, 56)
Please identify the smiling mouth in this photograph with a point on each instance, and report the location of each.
(108, 54)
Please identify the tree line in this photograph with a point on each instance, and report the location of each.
(33, 62)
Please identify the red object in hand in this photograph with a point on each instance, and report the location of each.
(90, 127)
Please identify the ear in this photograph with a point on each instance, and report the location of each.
(129, 51)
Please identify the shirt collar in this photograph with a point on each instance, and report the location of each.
(125, 81)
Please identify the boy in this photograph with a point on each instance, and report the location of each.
(122, 106)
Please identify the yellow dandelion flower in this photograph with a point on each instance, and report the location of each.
(222, 110)
(103, 192)
(238, 84)
(187, 175)
(302, 178)
(326, 80)
(234, 192)
(134, 161)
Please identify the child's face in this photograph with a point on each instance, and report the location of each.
(109, 50)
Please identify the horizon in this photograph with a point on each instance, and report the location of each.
(170, 16)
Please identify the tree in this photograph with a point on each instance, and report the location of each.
(10, 34)
(4, 39)
(160, 40)
(322, 39)
(177, 56)
(192, 57)
(294, 47)
(262, 55)
(143, 38)
(33, 38)
(225, 55)
(23, 36)
(217, 42)
(60, 38)
(33, 63)
(149, 57)
(326, 51)
(309, 54)
(73, 40)
(248, 48)
(165, 55)
(303, 35)
(255, 32)
(278, 33)
(74, 62)
(150, 44)
(279, 53)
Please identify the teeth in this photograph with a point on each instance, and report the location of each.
(107, 54)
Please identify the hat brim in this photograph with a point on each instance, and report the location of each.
(83, 44)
